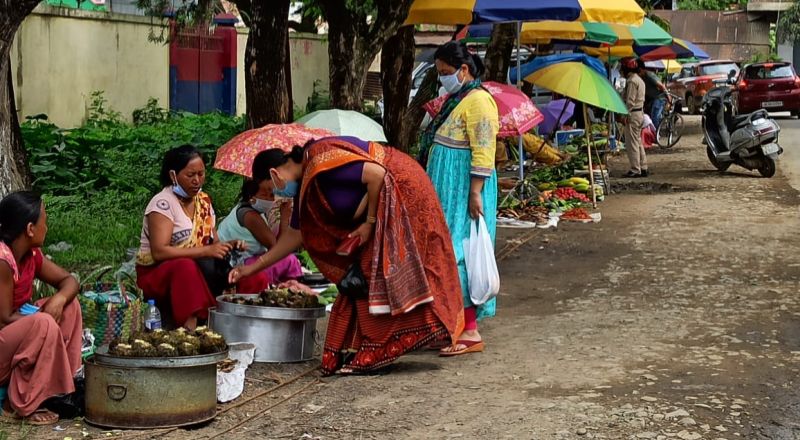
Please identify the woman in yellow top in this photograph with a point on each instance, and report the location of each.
(458, 148)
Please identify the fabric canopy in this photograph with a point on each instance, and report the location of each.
(580, 82)
(453, 12)
(578, 33)
(545, 61)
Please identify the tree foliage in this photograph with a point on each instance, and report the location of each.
(712, 5)
(789, 24)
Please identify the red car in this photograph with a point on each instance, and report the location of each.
(695, 80)
(771, 86)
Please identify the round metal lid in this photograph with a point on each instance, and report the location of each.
(284, 313)
(101, 356)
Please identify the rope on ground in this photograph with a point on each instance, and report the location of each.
(164, 432)
(264, 411)
(511, 247)
(276, 387)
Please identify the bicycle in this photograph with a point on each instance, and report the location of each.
(670, 129)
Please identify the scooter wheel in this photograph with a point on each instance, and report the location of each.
(713, 160)
(767, 168)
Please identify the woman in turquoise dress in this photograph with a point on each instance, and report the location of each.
(458, 149)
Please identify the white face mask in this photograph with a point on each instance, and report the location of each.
(261, 205)
(451, 83)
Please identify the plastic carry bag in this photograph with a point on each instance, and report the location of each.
(484, 279)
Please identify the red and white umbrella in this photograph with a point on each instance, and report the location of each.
(517, 113)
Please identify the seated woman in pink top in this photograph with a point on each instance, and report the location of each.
(40, 352)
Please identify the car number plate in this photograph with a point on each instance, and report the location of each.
(770, 104)
(770, 149)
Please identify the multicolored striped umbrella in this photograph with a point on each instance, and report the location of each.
(670, 66)
(580, 82)
(579, 33)
(452, 12)
(675, 50)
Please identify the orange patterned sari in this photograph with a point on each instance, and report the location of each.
(414, 291)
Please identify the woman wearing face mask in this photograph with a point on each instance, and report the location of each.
(40, 351)
(179, 251)
(259, 219)
(458, 148)
(360, 205)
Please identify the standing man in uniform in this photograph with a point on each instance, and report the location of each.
(634, 122)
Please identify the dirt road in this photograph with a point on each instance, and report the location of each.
(676, 317)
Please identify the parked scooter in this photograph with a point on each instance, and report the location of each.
(750, 140)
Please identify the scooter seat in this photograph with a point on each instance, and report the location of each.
(739, 120)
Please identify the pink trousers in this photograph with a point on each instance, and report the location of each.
(39, 357)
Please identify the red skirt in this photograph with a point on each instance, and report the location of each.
(180, 286)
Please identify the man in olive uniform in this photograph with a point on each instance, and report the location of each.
(634, 122)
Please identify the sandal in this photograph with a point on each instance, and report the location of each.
(14, 417)
(469, 347)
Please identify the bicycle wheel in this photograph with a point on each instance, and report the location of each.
(670, 130)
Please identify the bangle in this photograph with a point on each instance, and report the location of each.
(372, 220)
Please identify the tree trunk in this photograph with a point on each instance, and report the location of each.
(397, 65)
(355, 36)
(348, 61)
(415, 113)
(266, 88)
(14, 171)
(498, 53)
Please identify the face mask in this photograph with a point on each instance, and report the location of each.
(289, 191)
(261, 205)
(178, 189)
(450, 82)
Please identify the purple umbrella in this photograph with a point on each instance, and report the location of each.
(560, 108)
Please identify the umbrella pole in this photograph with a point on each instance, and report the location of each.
(520, 144)
(589, 150)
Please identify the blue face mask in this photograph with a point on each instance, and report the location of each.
(180, 192)
(451, 83)
(289, 191)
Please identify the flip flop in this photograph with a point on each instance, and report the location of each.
(469, 347)
(14, 417)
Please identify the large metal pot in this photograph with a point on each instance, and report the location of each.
(279, 334)
(145, 393)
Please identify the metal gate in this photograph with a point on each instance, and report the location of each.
(203, 70)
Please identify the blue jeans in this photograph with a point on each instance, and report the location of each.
(657, 110)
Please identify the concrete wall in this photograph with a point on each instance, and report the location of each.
(309, 58)
(60, 56)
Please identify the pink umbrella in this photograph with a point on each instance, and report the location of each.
(237, 155)
(517, 113)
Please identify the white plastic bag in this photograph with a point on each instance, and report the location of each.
(484, 279)
(230, 385)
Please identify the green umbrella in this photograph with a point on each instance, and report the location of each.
(345, 123)
(581, 83)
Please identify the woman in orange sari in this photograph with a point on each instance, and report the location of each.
(380, 204)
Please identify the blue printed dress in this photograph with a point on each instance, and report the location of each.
(464, 148)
